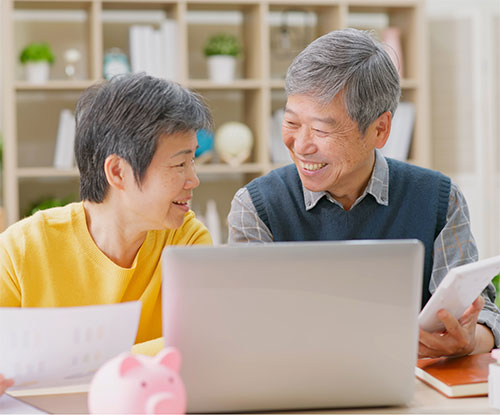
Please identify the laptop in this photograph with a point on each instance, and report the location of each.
(294, 325)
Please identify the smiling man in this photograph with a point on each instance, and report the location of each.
(135, 144)
(342, 92)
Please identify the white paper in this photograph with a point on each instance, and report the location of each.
(54, 347)
(10, 405)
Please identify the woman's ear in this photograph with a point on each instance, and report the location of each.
(382, 128)
(115, 169)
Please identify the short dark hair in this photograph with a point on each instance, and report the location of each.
(127, 116)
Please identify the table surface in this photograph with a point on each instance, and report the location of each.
(425, 400)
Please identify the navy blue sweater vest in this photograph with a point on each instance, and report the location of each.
(418, 203)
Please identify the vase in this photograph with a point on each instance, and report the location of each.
(221, 68)
(37, 72)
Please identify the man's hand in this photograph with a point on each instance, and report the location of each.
(460, 337)
(4, 384)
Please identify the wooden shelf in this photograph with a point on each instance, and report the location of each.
(45, 172)
(250, 99)
(250, 168)
(409, 84)
(53, 86)
(277, 83)
(237, 85)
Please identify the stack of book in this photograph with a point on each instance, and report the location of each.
(155, 51)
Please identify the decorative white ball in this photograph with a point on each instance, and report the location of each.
(233, 142)
(72, 55)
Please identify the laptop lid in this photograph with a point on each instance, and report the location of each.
(295, 325)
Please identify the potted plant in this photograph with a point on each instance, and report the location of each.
(221, 51)
(37, 57)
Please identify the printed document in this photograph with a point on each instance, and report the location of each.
(63, 346)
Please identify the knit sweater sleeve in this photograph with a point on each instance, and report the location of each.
(11, 254)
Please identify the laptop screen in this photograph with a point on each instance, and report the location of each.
(294, 325)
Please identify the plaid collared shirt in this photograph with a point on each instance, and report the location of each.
(454, 246)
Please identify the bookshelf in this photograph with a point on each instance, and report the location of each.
(272, 33)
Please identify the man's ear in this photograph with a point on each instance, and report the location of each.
(115, 169)
(382, 126)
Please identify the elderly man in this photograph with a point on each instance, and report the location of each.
(342, 92)
(135, 144)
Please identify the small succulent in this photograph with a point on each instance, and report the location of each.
(222, 44)
(37, 52)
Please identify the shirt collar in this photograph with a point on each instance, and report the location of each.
(378, 186)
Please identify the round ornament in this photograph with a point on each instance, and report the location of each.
(234, 142)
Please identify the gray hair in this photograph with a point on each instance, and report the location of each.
(352, 62)
(127, 116)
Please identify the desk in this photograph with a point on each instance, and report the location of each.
(426, 400)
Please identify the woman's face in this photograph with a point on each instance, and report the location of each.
(162, 199)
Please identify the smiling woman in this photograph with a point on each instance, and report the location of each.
(135, 146)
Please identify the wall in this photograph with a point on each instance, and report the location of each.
(464, 68)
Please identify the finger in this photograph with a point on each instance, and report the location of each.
(432, 341)
(472, 313)
(424, 351)
(451, 324)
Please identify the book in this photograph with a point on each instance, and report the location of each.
(398, 143)
(64, 157)
(169, 49)
(456, 377)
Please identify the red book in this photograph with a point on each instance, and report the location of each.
(456, 377)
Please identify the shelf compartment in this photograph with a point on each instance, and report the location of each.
(38, 113)
(241, 105)
(292, 26)
(243, 20)
(400, 15)
(34, 189)
(44, 21)
(125, 24)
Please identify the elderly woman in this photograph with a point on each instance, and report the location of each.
(135, 144)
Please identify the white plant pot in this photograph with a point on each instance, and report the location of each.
(221, 68)
(37, 72)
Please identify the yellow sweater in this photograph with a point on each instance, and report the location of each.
(50, 260)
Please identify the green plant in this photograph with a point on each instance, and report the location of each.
(48, 203)
(496, 282)
(37, 52)
(222, 44)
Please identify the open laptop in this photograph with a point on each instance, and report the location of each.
(294, 325)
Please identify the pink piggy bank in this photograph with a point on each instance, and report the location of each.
(136, 384)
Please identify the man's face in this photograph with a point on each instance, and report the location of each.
(329, 151)
(162, 199)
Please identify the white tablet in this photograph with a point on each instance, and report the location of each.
(461, 286)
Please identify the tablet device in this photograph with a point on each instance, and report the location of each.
(458, 290)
